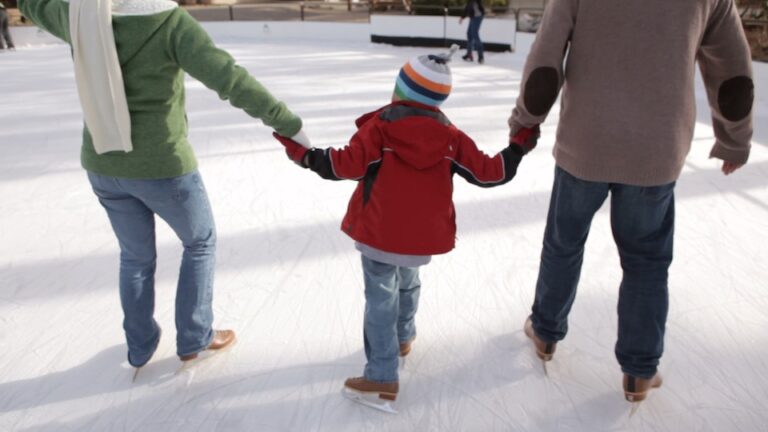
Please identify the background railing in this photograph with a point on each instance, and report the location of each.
(754, 16)
(527, 13)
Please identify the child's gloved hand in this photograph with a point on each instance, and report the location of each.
(295, 151)
(526, 138)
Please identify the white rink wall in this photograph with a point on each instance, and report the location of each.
(497, 30)
(270, 31)
(493, 30)
(238, 30)
(31, 36)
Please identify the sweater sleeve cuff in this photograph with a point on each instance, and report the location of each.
(517, 122)
(290, 128)
(738, 156)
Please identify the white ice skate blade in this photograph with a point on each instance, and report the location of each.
(635, 406)
(189, 365)
(202, 356)
(135, 374)
(370, 400)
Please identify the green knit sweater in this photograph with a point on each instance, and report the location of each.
(154, 51)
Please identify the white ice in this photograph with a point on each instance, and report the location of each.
(290, 283)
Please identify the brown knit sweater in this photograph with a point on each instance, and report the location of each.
(628, 107)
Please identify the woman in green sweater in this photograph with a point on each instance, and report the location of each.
(130, 58)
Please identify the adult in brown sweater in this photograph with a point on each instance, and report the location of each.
(627, 115)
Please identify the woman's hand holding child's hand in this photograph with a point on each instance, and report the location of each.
(295, 151)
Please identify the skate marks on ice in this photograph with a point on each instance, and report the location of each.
(99, 374)
(495, 389)
(155, 372)
(205, 360)
(170, 367)
(438, 399)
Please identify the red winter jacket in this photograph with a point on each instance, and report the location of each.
(404, 156)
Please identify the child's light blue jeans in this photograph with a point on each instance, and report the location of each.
(391, 301)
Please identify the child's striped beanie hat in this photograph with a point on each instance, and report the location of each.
(426, 79)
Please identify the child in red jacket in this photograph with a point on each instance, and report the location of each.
(403, 157)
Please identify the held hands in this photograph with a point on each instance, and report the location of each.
(730, 167)
(302, 138)
(295, 151)
(526, 138)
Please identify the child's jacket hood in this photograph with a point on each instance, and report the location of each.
(412, 131)
(403, 157)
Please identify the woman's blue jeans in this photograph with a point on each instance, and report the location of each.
(182, 202)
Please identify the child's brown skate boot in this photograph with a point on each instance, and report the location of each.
(364, 392)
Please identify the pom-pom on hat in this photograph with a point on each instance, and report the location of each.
(426, 79)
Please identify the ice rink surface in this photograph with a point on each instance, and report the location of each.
(290, 283)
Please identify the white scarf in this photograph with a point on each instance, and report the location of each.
(98, 75)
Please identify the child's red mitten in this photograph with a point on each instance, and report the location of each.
(526, 138)
(293, 149)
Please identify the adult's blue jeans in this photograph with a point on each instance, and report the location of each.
(642, 221)
(5, 33)
(473, 36)
(391, 301)
(182, 202)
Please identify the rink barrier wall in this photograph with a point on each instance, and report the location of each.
(497, 34)
(276, 31)
(258, 31)
(29, 36)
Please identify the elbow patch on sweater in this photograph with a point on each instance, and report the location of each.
(541, 90)
(735, 96)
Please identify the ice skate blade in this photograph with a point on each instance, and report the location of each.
(135, 374)
(638, 396)
(635, 397)
(189, 365)
(371, 400)
(202, 357)
(635, 406)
